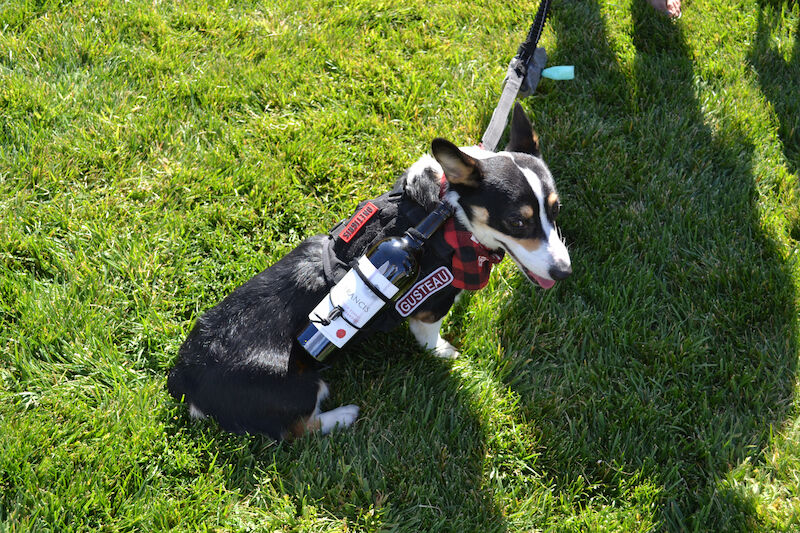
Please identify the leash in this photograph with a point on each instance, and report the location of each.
(522, 77)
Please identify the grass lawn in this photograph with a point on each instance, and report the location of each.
(155, 155)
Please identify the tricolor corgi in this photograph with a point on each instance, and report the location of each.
(241, 363)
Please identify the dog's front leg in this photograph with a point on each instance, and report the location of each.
(427, 334)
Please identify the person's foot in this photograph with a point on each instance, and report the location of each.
(671, 8)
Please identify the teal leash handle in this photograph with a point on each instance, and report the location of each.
(560, 72)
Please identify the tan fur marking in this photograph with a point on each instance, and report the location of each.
(526, 211)
(481, 214)
(552, 199)
(458, 171)
(301, 427)
(425, 316)
(529, 244)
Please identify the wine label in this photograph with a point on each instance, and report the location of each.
(358, 303)
(416, 295)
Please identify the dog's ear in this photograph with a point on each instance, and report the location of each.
(459, 168)
(522, 138)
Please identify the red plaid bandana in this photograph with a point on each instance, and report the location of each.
(472, 261)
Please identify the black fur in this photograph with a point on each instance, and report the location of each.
(241, 363)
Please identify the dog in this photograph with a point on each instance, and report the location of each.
(241, 363)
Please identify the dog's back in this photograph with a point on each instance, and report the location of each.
(239, 363)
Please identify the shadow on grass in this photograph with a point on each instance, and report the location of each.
(677, 355)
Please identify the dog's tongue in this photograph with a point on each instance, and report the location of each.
(543, 283)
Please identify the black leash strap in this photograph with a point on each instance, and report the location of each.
(527, 48)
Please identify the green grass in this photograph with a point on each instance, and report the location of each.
(155, 155)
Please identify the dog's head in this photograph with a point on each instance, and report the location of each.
(508, 200)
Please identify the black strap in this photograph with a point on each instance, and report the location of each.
(337, 311)
(416, 234)
(369, 285)
(527, 48)
(334, 231)
(328, 266)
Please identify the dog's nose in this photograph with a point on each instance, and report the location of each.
(559, 273)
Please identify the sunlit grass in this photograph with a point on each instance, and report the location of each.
(154, 156)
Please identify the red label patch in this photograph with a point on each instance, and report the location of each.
(433, 282)
(358, 221)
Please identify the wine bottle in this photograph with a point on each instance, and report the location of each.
(380, 276)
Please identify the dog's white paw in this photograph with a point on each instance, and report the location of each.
(445, 350)
(339, 418)
(427, 334)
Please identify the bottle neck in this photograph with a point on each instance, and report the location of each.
(423, 231)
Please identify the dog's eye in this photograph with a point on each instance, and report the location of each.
(556, 207)
(516, 223)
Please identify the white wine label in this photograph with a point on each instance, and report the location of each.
(376, 278)
(357, 301)
(416, 295)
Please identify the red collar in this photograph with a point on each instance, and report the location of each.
(472, 261)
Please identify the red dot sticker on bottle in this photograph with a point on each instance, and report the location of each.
(341, 333)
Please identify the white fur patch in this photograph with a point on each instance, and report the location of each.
(479, 153)
(322, 393)
(339, 418)
(196, 413)
(429, 338)
(419, 168)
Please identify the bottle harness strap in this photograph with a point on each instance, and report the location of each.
(328, 259)
(328, 267)
(337, 310)
(326, 315)
(469, 261)
(335, 313)
(375, 290)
